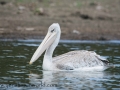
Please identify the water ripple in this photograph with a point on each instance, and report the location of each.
(14, 67)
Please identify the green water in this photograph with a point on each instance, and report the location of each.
(17, 74)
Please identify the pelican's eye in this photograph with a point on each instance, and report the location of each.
(52, 30)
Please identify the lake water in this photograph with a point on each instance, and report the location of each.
(17, 74)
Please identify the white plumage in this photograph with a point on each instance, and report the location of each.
(74, 60)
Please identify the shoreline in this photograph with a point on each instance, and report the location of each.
(79, 20)
(66, 41)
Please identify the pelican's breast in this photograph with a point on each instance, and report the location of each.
(78, 59)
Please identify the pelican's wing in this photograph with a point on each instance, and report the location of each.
(78, 59)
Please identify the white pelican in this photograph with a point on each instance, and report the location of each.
(74, 60)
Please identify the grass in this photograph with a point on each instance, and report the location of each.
(79, 4)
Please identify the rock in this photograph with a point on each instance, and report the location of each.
(21, 7)
(3, 2)
(29, 29)
(40, 11)
(76, 32)
(82, 15)
(99, 7)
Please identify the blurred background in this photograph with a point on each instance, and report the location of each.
(79, 19)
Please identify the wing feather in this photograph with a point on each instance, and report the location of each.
(78, 59)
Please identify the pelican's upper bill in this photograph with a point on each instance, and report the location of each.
(74, 60)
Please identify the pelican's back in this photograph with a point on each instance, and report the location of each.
(78, 59)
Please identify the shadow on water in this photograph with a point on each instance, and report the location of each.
(16, 73)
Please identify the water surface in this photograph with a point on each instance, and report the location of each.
(17, 74)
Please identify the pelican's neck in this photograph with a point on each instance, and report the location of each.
(49, 52)
(47, 62)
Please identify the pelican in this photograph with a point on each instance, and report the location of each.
(73, 60)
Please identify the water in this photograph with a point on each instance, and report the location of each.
(17, 74)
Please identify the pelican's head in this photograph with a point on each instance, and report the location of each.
(51, 38)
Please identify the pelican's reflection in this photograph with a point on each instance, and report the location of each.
(66, 79)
